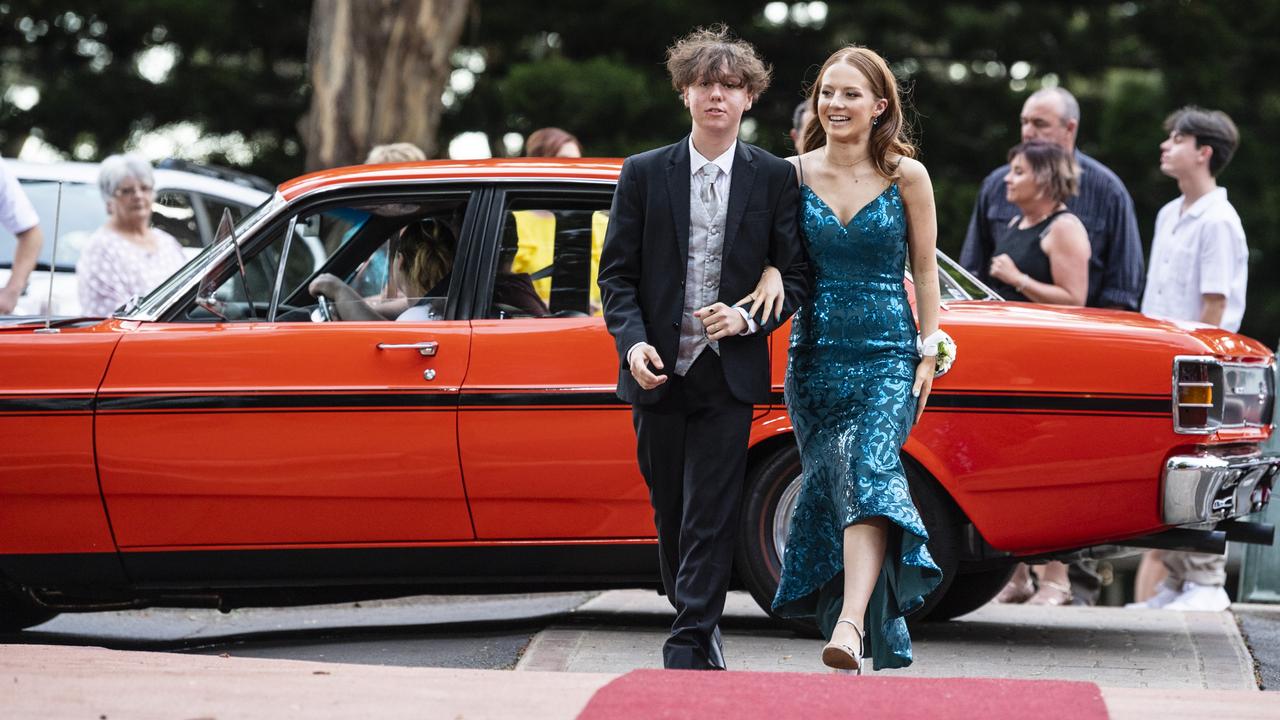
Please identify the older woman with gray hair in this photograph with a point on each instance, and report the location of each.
(126, 256)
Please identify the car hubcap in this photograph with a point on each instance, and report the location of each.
(782, 515)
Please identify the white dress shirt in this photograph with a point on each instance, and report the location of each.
(1198, 252)
(16, 213)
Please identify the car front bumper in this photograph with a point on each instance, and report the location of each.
(1207, 488)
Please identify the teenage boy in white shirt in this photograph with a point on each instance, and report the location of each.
(1198, 271)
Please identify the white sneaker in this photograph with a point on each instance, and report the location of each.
(1201, 598)
(1166, 593)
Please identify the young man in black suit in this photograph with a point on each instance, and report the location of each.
(692, 228)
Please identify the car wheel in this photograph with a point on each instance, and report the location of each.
(18, 612)
(773, 485)
(971, 591)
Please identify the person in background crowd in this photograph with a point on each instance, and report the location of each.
(1103, 205)
(1199, 272)
(394, 152)
(1042, 255)
(552, 142)
(126, 256)
(800, 119)
(19, 218)
(536, 229)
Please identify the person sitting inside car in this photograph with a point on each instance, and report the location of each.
(422, 266)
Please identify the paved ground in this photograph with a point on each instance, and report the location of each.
(41, 681)
(482, 632)
(1260, 625)
(1148, 663)
(1110, 646)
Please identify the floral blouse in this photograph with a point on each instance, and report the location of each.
(112, 269)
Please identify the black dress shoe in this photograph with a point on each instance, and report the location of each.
(716, 656)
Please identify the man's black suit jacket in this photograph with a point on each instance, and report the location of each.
(646, 249)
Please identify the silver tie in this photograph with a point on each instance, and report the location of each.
(710, 172)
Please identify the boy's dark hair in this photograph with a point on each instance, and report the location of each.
(1209, 127)
(715, 54)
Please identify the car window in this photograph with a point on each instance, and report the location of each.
(83, 211)
(349, 246)
(213, 208)
(173, 212)
(549, 256)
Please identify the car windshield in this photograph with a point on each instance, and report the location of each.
(82, 212)
(956, 283)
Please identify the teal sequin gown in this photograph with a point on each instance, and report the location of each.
(848, 392)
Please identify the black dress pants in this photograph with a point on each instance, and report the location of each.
(692, 448)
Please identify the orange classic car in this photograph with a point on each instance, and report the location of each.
(229, 440)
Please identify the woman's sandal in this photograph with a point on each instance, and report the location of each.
(1051, 593)
(842, 657)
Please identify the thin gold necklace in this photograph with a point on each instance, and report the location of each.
(826, 155)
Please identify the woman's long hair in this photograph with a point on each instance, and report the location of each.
(427, 250)
(888, 137)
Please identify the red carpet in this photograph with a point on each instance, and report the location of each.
(778, 696)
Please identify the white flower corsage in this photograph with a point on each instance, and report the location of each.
(941, 346)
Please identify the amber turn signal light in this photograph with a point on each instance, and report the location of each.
(1195, 395)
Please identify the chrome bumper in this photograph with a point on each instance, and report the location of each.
(1207, 488)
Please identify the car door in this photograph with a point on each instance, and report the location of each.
(547, 448)
(229, 425)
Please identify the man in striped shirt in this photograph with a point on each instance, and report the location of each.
(1116, 269)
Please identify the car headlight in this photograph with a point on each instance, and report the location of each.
(1209, 395)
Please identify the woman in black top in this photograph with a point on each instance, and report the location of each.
(1043, 254)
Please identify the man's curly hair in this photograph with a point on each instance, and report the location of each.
(713, 53)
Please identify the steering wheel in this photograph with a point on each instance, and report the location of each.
(324, 311)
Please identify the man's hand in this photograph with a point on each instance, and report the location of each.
(642, 356)
(8, 300)
(327, 285)
(720, 321)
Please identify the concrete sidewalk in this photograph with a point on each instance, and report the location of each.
(623, 630)
(53, 682)
(1148, 664)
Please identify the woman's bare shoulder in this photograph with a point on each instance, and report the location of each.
(910, 171)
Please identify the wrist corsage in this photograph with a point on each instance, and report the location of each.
(940, 345)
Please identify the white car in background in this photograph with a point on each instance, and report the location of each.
(189, 202)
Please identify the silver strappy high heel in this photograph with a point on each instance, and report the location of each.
(842, 657)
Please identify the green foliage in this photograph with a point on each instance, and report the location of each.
(240, 68)
(609, 98)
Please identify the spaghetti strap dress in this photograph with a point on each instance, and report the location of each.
(850, 369)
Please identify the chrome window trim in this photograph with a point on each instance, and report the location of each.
(1208, 359)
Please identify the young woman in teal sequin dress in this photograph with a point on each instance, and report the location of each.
(856, 558)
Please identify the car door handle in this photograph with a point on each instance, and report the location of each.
(427, 348)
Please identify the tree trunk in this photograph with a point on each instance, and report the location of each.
(377, 70)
